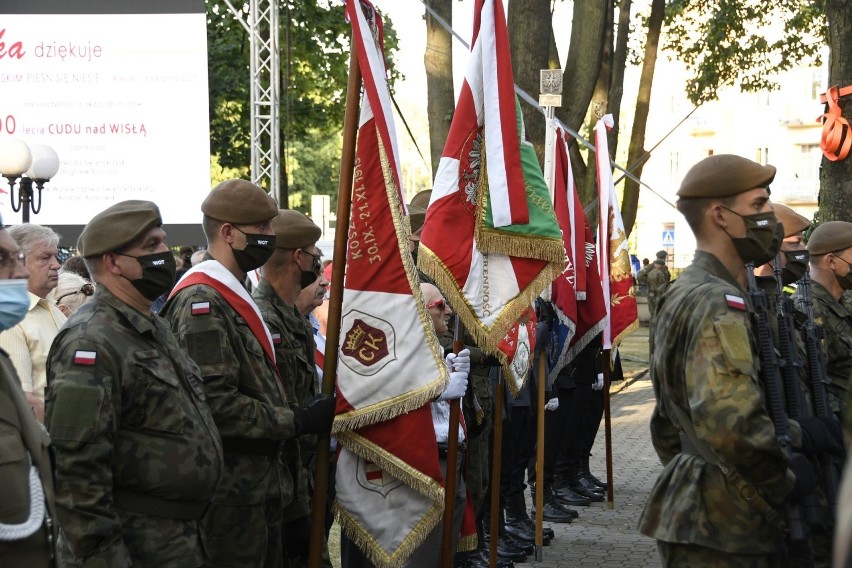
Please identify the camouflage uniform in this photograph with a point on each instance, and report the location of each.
(20, 436)
(704, 372)
(657, 280)
(835, 318)
(291, 333)
(137, 452)
(243, 525)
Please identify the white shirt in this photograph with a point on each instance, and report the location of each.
(28, 343)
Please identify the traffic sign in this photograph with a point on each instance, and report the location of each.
(668, 238)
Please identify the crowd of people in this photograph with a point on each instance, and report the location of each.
(157, 415)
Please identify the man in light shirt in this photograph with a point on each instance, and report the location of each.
(29, 342)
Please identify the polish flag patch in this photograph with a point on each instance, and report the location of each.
(200, 308)
(276, 338)
(85, 357)
(735, 302)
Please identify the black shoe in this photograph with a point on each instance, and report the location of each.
(546, 532)
(594, 480)
(553, 512)
(586, 488)
(518, 530)
(525, 547)
(568, 496)
(480, 559)
(509, 552)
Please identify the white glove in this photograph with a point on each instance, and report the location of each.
(552, 404)
(458, 362)
(456, 387)
(598, 384)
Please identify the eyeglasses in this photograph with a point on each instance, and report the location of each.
(87, 290)
(316, 265)
(9, 258)
(440, 304)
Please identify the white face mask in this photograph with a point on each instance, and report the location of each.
(14, 302)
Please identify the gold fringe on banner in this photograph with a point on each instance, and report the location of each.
(375, 553)
(388, 462)
(487, 338)
(510, 243)
(467, 543)
(412, 400)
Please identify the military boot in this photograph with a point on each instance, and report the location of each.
(585, 472)
(582, 485)
(566, 495)
(516, 512)
(552, 510)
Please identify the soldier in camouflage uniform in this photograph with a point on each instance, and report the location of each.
(137, 453)
(830, 247)
(220, 326)
(276, 296)
(26, 538)
(658, 278)
(725, 474)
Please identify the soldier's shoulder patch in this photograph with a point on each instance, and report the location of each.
(276, 338)
(87, 358)
(734, 340)
(199, 308)
(736, 302)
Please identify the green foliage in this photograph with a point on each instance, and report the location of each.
(313, 164)
(314, 59)
(743, 42)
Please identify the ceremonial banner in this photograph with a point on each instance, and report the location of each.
(490, 238)
(516, 350)
(613, 257)
(571, 284)
(390, 486)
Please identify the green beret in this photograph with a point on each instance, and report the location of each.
(833, 236)
(239, 202)
(724, 175)
(417, 215)
(294, 230)
(662, 255)
(421, 199)
(792, 221)
(118, 226)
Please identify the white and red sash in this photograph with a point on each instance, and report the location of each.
(211, 273)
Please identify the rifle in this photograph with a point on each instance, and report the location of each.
(769, 375)
(811, 335)
(790, 364)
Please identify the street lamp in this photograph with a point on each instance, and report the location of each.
(34, 165)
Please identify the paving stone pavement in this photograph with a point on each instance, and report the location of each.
(608, 537)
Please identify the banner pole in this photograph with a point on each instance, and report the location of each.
(335, 305)
(539, 459)
(447, 552)
(607, 370)
(496, 460)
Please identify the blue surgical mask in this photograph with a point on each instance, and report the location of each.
(14, 302)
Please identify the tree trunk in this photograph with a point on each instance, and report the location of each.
(529, 56)
(585, 54)
(835, 200)
(438, 60)
(587, 186)
(636, 152)
(619, 62)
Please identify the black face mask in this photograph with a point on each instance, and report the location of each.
(762, 239)
(259, 247)
(797, 265)
(845, 281)
(158, 274)
(308, 277)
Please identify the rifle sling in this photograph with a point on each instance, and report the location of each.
(691, 444)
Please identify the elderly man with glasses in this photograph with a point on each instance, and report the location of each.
(29, 342)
